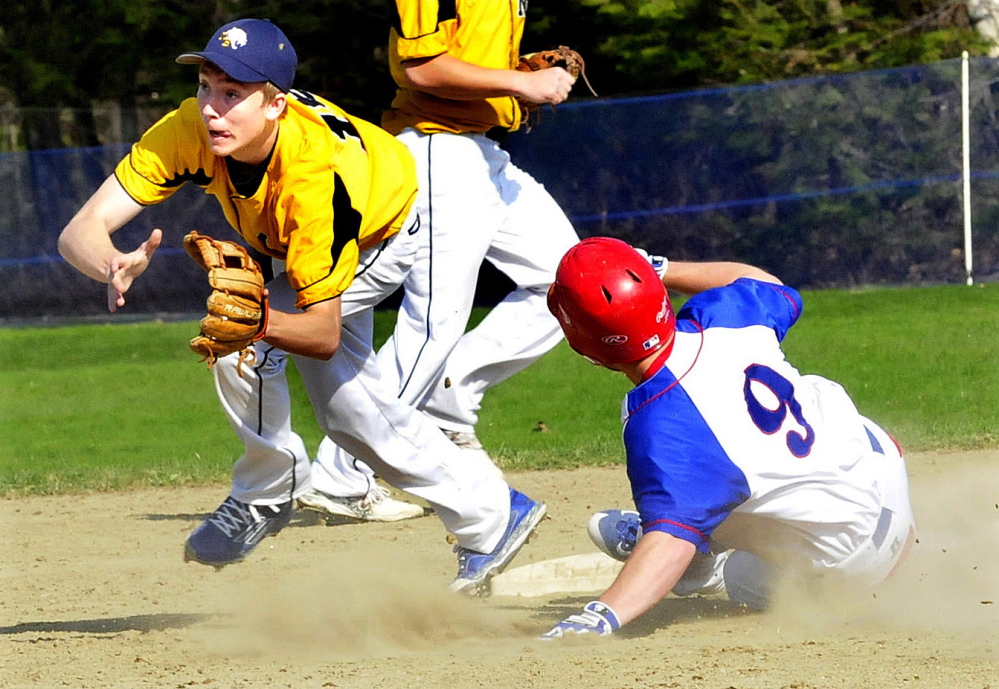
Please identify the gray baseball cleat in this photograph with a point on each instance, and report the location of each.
(233, 530)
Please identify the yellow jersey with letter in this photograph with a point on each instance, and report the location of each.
(334, 186)
(484, 32)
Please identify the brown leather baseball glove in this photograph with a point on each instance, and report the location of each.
(564, 57)
(237, 306)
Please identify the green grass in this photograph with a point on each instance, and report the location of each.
(920, 361)
(107, 407)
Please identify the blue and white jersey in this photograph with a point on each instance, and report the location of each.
(728, 425)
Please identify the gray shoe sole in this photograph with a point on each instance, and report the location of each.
(327, 508)
(338, 513)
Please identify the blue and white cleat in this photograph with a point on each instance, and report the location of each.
(615, 532)
(233, 530)
(476, 569)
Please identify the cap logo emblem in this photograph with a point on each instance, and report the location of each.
(614, 339)
(233, 38)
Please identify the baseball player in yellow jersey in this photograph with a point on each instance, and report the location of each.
(454, 65)
(332, 199)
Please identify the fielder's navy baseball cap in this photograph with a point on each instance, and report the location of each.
(250, 50)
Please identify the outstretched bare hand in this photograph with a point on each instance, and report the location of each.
(126, 267)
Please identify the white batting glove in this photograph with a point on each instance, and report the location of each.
(597, 618)
(660, 263)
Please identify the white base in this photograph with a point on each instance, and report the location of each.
(572, 574)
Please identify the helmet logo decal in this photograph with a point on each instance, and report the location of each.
(663, 312)
(614, 339)
(233, 38)
(651, 343)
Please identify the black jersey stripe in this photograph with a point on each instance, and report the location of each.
(346, 226)
(346, 220)
(446, 11)
(199, 177)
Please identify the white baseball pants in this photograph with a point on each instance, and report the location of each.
(355, 408)
(866, 549)
(477, 206)
(877, 557)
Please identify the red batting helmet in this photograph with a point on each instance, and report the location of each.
(610, 302)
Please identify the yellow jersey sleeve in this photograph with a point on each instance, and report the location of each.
(172, 152)
(483, 32)
(426, 28)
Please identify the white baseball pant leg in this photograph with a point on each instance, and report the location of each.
(400, 443)
(275, 466)
(532, 236)
(477, 206)
(880, 555)
(355, 410)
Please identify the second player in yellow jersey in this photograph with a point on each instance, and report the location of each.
(453, 64)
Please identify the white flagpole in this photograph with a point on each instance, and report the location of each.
(966, 173)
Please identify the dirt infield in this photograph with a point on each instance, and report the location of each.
(94, 593)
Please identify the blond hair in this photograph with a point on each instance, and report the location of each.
(271, 92)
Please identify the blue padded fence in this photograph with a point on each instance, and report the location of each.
(834, 181)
